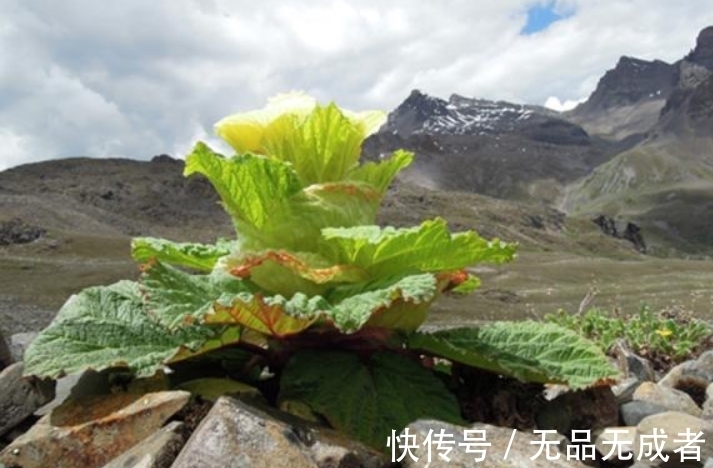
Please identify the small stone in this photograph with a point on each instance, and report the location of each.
(616, 444)
(672, 427)
(93, 430)
(523, 451)
(670, 398)
(709, 463)
(20, 396)
(157, 451)
(707, 413)
(709, 392)
(634, 411)
(631, 364)
(672, 376)
(624, 390)
(19, 342)
(692, 376)
(235, 433)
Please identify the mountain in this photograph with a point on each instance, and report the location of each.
(630, 98)
(702, 54)
(627, 100)
(112, 197)
(493, 148)
(665, 182)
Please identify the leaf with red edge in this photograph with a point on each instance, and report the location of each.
(274, 316)
(287, 273)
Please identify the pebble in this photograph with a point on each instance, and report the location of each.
(634, 411)
(670, 398)
(235, 433)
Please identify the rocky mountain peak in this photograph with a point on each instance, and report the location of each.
(632, 80)
(414, 112)
(702, 54)
(460, 115)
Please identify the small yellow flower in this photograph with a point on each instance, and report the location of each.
(664, 332)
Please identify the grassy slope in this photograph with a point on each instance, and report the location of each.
(667, 187)
(557, 266)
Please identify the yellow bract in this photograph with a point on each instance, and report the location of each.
(252, 131)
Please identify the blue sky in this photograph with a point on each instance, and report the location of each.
(134, 79)
(541, 16)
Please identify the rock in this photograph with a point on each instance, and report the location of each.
(159, 450)
(634, 411)
(621, 230)
(709, 392)
(237, 434)
(19, 343)
(672, 427)
(90, 383)
(616, 444)
(707, 412)
(78, 385)
(524, 447)
(703, 52)
(16, 231)
(20, 397)
(624, 390)
(693, 376)
(91, 431)
(701, 368)
(632, 364)
(709, 463)
(670, 398)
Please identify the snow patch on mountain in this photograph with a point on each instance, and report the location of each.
(463, 116)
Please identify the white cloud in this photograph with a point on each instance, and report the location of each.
(554, 103)
(135, 78)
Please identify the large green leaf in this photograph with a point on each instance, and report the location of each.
(367, 399)
(298, 227)
(381, 174)
(400, 303)
(269, 206)
(106, 326)
(176, 298)
(528, 350)
(429, 247)
(252, 188)
(199, 256)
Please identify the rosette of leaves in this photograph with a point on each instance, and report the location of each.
(310, 287)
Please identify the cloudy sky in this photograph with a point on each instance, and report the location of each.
(136, 78)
